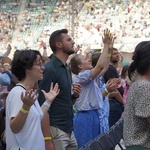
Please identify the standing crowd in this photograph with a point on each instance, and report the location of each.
(69, 99)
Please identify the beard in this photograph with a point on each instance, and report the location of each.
(115, 61)
(69, 52)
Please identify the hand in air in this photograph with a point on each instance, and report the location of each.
(107, 37)
(53, 92)
(28, 98)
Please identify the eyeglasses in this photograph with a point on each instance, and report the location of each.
(40, 64)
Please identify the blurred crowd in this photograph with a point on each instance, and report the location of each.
(26, 25)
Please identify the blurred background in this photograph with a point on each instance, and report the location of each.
(26, 23)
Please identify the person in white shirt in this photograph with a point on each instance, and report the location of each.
(23, 112)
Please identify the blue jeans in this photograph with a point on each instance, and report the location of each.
(115, 113)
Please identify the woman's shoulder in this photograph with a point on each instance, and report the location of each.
(141, 85)
(84, 76)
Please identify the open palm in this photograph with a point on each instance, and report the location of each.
(53, 92)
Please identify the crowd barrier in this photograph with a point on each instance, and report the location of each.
(109, 140)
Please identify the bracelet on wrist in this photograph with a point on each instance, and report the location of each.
(106, 91)
(46, 104)
(6, 64)
(24, 110)
(108, 55)
(47, 138)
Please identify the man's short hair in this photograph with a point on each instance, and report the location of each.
(56, 37)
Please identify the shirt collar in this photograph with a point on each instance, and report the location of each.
(57, 61)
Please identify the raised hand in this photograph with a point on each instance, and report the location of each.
(120, 57)
(28, 98)
(53, 92)
(9, 48)
(43, 44)
(107, 38)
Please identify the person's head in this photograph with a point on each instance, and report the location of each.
(60, 40)
(114, 56)
(27, 62)
(80, 63)
(95, 58)
(139, 46)
(141, 59)
(124, 72)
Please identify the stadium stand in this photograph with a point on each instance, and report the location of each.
(128, 20)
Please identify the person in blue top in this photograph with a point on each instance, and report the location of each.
(86, 121)
(106, 89)
(5, 78)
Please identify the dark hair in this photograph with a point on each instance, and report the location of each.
(124, 70)
(139, 46)
(114, 49)
(95, 58)
(56, 37)
(141, 59)
(74, 62)
(22, 60)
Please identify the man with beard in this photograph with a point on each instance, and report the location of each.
(57, 126)
(115, 98)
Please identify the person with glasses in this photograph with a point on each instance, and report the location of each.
(23, 112)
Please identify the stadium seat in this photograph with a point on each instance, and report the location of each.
(94, 145)
(105, 142)
(84, 148)
(118, 129)
(115, 134)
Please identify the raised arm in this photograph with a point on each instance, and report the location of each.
(44, 49)
(120, 63)
(8, 50)
(107, 60)
(101, 63)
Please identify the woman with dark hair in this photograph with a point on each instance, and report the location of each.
(137, 108)
(23, 112)
(133, 75)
